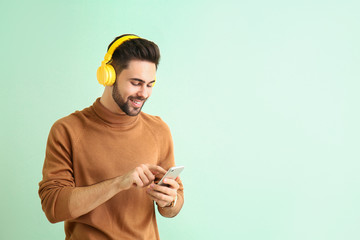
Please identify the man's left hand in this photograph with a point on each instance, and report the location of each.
(164, 195)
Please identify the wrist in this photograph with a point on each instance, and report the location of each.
(120, 183)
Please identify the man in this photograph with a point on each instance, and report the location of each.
(101, 163)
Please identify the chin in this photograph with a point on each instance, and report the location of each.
(134, 112)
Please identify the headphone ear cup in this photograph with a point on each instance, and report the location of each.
(106, 74)
(111, 75)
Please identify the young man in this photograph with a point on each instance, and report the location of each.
(101, 162)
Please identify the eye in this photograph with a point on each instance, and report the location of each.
(136, 83)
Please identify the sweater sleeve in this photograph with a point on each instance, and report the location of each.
(58, 179)
(166, 161)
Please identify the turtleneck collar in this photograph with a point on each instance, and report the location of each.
(113, 119)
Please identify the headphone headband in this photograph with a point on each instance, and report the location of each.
(116, 44)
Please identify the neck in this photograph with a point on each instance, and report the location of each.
(108, 102)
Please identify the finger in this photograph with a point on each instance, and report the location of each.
(145, 181)
(140, 172)
(164, 190)
(150, 176)
(159, 202)
(156, 169)
(137, 181)
(160, 196)
(145, 174)
(172, 183)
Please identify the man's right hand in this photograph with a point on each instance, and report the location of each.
(141, 176)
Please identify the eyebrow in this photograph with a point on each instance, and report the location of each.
(140, 80)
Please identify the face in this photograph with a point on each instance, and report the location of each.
(133, 86)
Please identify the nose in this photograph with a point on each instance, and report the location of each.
(143, 92)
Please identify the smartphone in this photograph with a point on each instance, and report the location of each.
(172, 173)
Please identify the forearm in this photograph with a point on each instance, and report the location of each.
(61, 203)
(84, 199)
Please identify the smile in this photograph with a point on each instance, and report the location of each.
(136, 103)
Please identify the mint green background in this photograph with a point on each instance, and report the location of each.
(262, 98)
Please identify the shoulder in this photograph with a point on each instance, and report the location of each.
(72, 124)
(155, 123)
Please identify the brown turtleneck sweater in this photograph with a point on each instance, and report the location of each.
(91, 146)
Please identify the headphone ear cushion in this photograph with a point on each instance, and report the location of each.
(106, 74)
(111, 75)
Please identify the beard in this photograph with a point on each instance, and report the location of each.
(125, 105)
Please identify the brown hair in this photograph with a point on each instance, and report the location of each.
(134, 49)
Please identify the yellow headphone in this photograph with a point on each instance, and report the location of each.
(106, 74)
